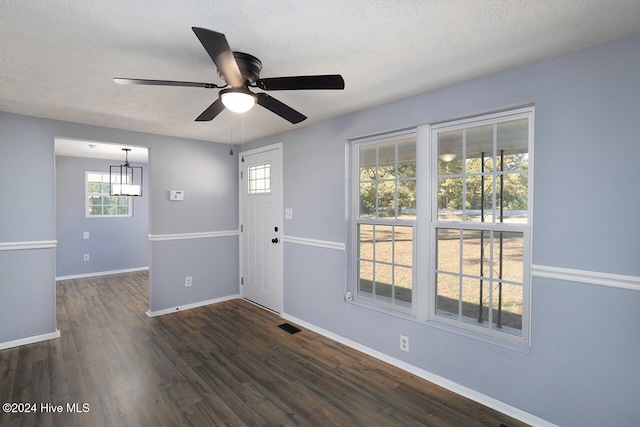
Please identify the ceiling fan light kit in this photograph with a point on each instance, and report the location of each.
(240, 71)
(238, 100)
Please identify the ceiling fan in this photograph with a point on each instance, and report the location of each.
(240, 71)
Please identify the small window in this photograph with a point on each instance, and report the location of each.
(99, 202)
(260, 179)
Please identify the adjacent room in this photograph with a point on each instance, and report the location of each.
(330, 213)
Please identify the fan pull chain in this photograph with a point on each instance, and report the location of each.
(231, 151)
(243, 137)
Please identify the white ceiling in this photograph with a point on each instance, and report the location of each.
(58, 58)
(100, 150)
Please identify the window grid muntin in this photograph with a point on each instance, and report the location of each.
(494, 120)
(493, 278)
(377, 220)
(119, 202)
(481, 331)
(259, 181)
(497, 118)
(373, 260)
(425, 243)
(376, 181)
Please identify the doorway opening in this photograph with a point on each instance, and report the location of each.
(97, 234)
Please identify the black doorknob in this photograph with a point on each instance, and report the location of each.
(275, 240)
(275, 229)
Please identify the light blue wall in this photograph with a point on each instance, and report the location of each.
(27, 202)
(206, 173)
(582, 367)
(203, 170)
(27, 289)
(208, 176)
(27, 294)
(114, 243)
(212, 264)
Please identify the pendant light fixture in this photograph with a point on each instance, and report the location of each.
(125, 180)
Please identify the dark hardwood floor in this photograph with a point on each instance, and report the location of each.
(224, 364)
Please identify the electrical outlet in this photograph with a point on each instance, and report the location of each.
(188, 281)
(404, 343)
(86, 257)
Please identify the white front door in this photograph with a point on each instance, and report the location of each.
(261, 226)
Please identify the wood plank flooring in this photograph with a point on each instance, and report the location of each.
(224, 364)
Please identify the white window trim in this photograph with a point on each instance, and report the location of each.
(355, 219)
(423, 299)
(262, 190)
(87, 206)
(430, 223)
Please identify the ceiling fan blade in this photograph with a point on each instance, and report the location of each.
(329, 81)
(218, 49)
(277, 107)
(211, 112)
(125, 81)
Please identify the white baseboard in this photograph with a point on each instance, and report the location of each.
(483, 399)
(30, 340)
(100, 273)
(190, 306)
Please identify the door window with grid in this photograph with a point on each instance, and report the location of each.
(260, 179)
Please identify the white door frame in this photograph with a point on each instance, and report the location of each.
(277, 148)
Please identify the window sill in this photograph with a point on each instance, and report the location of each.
(364, 303)
(520, 347)
(523, 348)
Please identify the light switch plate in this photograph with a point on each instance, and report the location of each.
(176, 195)
(288, 213)
(85, 235)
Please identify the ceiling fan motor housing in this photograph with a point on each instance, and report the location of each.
(249, 66)
(240, 71)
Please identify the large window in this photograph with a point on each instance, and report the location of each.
(385, 216)
(451, 246)
(480, 223)
(99, 202)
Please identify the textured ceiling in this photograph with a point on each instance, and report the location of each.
(58, 57)
(100, 150)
